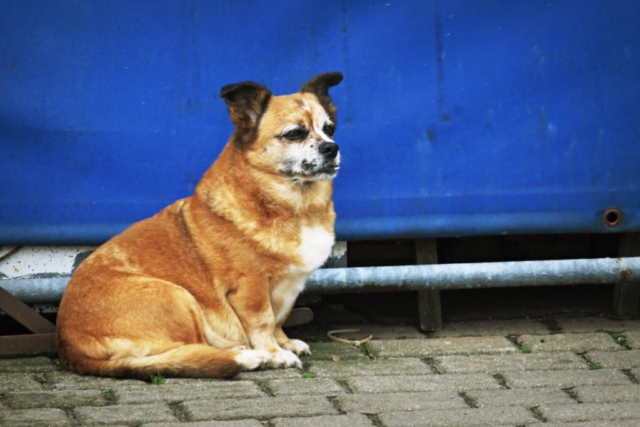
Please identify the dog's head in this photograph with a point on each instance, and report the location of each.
(289, 135)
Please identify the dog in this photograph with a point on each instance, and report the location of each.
(202, 288)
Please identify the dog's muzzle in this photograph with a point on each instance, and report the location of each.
(312, 162)
(330, 160)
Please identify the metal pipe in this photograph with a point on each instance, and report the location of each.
(415, 277)
(36, 290)
(476, 275)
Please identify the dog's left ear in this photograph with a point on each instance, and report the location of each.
(319, 86)
(247, 101)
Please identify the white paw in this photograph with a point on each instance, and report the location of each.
(298, 347)
(240, 347)
(285, 359)
(252, 359)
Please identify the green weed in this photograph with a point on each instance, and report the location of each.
(620, 338)
(158, 379)
(108, 395)
(524, 349)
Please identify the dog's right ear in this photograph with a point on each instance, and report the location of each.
(319, 86)
(247, 101)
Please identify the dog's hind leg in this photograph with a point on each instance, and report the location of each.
(143, 326)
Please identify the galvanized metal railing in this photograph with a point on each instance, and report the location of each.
(413, 277)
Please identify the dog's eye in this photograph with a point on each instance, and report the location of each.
(297, 134)
(329, 129)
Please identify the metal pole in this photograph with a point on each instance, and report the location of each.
(414, 277)
(477, 275)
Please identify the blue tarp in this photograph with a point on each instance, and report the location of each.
(455, 117)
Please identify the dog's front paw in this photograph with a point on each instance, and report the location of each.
(253, 359)
(285, 359)
(300, 348)
(240, 347)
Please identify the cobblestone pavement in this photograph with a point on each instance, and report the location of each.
(524, 372)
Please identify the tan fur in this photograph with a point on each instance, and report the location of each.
(202, 288)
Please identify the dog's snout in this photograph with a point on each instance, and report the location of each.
(329, 149)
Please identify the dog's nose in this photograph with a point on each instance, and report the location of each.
(329, 149)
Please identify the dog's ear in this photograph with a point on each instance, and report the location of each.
(247, 102)
(319, 86)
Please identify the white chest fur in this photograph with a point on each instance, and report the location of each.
(315, 248)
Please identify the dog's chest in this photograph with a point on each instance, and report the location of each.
(313, 250)
(315, 247)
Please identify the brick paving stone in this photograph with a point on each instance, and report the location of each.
(512, 415)
(198, 382)
(422, 383)
(565, 379)
(633, 339)
(270, 374)
(326, 351)
(19, 382)
(595, 324)
(397, 386)
(28, 365)
(527, 397)
(347, 420)
(125, 414)
(616, 359)
(239, 423)
(189, 390)
(354, 368)
(377, 403)
(619, 423)
(607, 394)
(54, 399)
(510, 362)
(304, 386)
(591, 412)
(491, 328)
(440, 346)
(570, 342)
(270, 407)
(49, 417)
(70, 381)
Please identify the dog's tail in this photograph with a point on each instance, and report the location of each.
(191, 360)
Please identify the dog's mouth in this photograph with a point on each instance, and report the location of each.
(310, 171)
(326, 168)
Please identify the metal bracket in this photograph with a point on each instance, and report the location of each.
(429, 306)
(626, 297)
(43, 339)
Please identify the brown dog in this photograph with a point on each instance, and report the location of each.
(202, 288)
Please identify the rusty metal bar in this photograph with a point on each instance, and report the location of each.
(429, 305)
(24, 314)
(42, 341)
(626, 297)
(13, 345)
